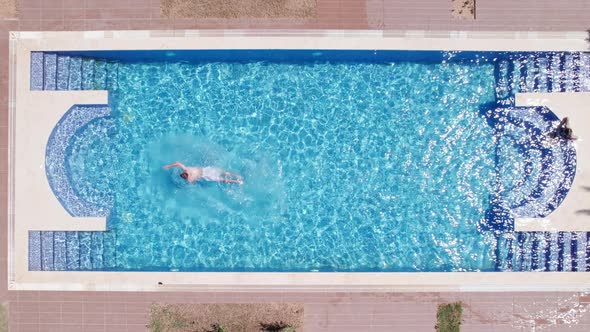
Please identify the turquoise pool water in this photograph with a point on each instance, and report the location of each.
(347, 165)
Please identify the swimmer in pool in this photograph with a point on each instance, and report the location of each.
(563, 131)
(193, 174)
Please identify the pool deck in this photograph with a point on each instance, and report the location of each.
(324, 310)
(31, 126)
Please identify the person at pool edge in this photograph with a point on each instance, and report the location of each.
(563, 131)
(193, 174)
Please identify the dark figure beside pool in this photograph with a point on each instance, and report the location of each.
(563, 131)
(193, 174)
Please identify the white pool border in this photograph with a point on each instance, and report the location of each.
(33, 114)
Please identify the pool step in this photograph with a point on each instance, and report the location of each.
(49, 71)
(52, 71)
(542, 75)
(585, 71)
(572, 68)
(36, 70)
(87, 74)
(100, 75)
(109, 253)
(85, 239)
(62, 72)
(530, 75)
(112, 75)
(75, 74)
(546, 172)
(543, 251)
(517, 82)
(71, 251)
(542, 72)
(503, 85)
(59, 251)
(96, 250)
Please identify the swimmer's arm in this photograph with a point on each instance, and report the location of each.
(563, 122)
(175, 164)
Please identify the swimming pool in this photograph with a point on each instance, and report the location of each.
(353, 160)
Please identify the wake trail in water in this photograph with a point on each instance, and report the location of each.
(261, 192)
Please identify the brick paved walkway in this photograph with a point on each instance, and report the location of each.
(99, 311)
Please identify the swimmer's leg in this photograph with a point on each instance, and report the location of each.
(239, 177)
(230, 174)
(230, 181)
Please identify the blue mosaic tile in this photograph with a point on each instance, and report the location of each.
(112, 75)
(85, 250)
(549, 169)
(97, 250)
(49, 71)
(585, 72)
(543, 67)
(556, 73)
(59, 251)
(55, 155)
(63, 72)
(530, 74)
(570, 71)
(87, 74)
(558, 168)
(34, 251)
(47, 251)
(75, 79)
(100, 75)
(36, 70)
(517, 79)
(109, 250)
(72, 251)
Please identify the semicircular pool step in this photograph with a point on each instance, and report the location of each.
(553, 183)
(518, 161)
(544, 172)
(518, 170)
(81, 158)
(55, 160)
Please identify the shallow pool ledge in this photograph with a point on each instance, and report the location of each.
(574, 212)
(32, 118)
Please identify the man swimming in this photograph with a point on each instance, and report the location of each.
(193, 174)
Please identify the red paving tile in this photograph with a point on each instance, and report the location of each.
(122, 311)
